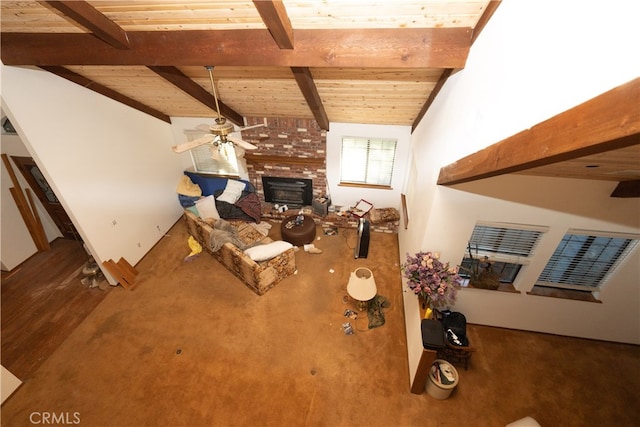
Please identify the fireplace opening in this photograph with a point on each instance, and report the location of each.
(293, 192)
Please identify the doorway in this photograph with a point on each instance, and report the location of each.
(45, 194)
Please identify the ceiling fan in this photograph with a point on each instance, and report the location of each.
(221, 132)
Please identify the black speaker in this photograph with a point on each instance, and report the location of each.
(362, 243)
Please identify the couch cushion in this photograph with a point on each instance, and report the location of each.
(207, 208)
(380, 215)
(268, 251)
(208, 185)
(232, 191)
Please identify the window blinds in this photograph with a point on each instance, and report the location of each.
(515, 242)
(583, 261)
(367, 160)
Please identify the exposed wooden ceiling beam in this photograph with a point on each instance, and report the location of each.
(378, 48)
(432, 96)
(103, 90)
(606, 122)
(274, 15)
(193, 89)
(89, 17)
(308, 87)
(627, 189)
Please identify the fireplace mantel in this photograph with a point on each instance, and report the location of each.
(287, 160)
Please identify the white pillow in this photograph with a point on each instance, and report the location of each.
(268, 251)
(207, 208)
(232, 191)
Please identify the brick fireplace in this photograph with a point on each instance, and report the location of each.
(294, 148)
(287, 148)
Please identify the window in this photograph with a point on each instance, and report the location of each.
(507, 246)
(210, 159)
(584, 260)
(367, 160)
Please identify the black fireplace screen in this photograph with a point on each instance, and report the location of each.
(294, 192)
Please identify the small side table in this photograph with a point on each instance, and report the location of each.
(298, 235)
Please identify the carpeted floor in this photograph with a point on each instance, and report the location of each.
(192, 346)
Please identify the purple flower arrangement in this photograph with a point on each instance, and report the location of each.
(431, 279)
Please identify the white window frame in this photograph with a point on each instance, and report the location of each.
(368, 176)
(510, 258)
(527, 251)
(612, 265)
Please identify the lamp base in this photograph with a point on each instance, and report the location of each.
(362, 305)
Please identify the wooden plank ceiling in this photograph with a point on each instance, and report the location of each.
(336, 61)
(351, 61)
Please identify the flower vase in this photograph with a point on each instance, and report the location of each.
(425, 307)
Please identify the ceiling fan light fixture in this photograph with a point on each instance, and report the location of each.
(221, 127)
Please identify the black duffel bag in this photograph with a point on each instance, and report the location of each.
(454, 325)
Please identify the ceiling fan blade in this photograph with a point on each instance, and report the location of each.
(189, 145)
(244, 144)
(203, 127)
(253, 126)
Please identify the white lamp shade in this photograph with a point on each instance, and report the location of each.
(362, 286)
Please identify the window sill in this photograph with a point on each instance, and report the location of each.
(207, 174)
(377, 187)
(563, 293)
(503, 287)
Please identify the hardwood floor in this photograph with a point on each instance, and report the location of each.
(43, 300)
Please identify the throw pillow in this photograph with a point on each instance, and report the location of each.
(232, 191)
(268, 251)
(380, 215)
(207, 208)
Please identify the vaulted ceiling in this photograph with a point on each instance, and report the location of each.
(335, 61)
(351, 61)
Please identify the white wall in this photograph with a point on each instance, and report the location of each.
(349, 196)
(111, 166)
(534, 60)
(16, 242)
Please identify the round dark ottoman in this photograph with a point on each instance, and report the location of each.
(298, 235)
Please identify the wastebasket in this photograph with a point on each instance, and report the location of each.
(443, 378)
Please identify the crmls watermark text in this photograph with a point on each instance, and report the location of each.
(64, 418)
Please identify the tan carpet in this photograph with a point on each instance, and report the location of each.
(192, 346)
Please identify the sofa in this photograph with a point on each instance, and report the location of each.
(232, 198)
(258, 275)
